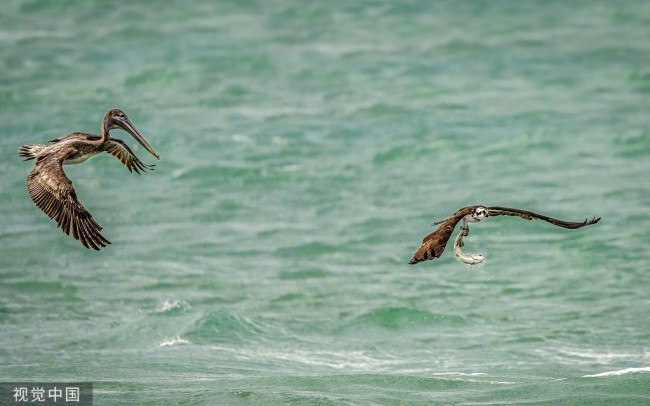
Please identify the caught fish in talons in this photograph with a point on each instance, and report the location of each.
(469, 259)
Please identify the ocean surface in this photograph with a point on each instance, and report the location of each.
(306, 148)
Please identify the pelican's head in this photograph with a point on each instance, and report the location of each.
(479, 213)
(115, 118)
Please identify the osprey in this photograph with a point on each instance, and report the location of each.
(434, 244)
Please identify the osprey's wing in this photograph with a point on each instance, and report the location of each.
(434, 244)
(121, 151)
(52, 192)
(529, 215)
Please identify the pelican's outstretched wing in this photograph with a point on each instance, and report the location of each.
(121, 151)
(529, 215)
(434, 244)
(52, 192)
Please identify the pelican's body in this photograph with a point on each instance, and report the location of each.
(52, 191)
(83, 146)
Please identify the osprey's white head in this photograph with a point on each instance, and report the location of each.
(477, 215)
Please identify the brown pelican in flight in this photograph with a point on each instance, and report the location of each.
(52, 191)
(434, 244)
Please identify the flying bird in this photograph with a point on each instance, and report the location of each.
(50, 188)
(434, 244)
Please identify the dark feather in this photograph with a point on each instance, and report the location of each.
(121, 151)
(52, 192)
(433, 245)
(494, 211)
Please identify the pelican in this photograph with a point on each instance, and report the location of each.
(434, 244)
(51, 190)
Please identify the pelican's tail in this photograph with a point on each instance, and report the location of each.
(31, 151)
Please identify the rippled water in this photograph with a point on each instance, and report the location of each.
(305, 150)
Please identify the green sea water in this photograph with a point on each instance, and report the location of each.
(306, 147)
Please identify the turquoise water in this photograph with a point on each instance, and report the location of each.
(306, 147)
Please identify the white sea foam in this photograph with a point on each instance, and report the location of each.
(619, 372)
(168, 305)
(348, 360)
(178, 340)
(587, 356)
(358, 361)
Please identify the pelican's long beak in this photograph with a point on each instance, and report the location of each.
(128, 126)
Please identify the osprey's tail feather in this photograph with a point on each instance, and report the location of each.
(424, 253)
